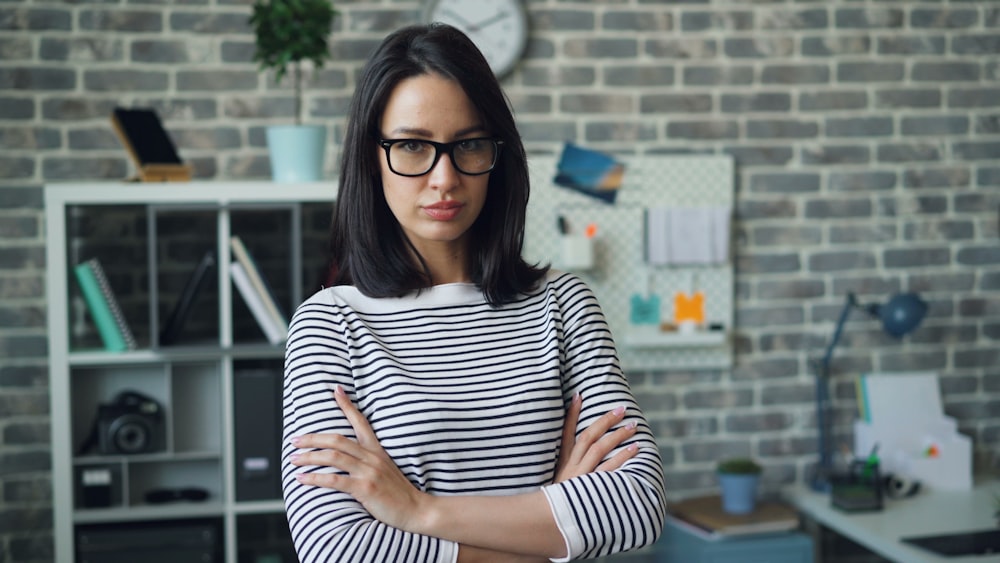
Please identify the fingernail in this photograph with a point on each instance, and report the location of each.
(619, 411)
(577, 397)
(630, 425)
(633, 447)
(295, 441)
(300, 477)
(338, 390)
(293, 458)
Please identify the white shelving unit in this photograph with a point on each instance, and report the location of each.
(194, 381)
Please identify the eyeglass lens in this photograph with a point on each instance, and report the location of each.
(414, 157)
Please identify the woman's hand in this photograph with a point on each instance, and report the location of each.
(373, 479)
(581, 454)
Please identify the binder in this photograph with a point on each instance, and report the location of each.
(103, 307)
(260, 287)
(274, 333)
(175, 322)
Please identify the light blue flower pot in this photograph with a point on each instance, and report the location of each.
(739, 492)
(297, 152)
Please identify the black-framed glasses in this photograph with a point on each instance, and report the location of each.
(416, 157)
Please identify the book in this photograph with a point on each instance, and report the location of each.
(103, 307)
(178, 316)
(257, 281)
(148, 145)
(706, 514)
(273, 331)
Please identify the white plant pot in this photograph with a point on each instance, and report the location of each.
(297, 152)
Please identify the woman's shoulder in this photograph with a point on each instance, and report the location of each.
(351, 297)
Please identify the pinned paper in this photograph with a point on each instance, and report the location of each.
(589, 172)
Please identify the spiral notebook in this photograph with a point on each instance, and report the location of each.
(103, 307)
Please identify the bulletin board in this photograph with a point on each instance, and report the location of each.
(620, 269)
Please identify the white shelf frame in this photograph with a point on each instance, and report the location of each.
(225, 195)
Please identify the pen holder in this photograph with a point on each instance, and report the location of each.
(858, 489)
(577, 252)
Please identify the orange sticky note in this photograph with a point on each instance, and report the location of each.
(591, 230)
(689, 307)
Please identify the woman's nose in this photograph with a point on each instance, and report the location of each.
(444, 175)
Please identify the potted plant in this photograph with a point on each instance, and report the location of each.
(289, 32)
(738, 479)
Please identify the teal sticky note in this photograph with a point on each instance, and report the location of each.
(645, 311)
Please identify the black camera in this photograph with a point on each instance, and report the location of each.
(132, 424)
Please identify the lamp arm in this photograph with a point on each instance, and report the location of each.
(850, 303)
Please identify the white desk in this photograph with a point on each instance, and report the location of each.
(928, 513)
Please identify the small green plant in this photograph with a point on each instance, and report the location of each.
(739, 466)
(289, 32)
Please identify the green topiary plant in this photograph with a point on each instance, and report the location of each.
(289, 32)
(739, 466)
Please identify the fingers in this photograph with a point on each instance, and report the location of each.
(569, 429)
(619, 458)
(363, 430)
(607, 443)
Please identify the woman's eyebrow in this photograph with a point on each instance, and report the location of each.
(424, 133)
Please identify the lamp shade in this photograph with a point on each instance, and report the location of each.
(901, 314)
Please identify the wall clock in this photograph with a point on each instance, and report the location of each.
(498, 27)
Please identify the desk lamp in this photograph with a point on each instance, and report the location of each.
(900, 316)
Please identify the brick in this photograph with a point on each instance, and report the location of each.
(781, 129)
(756, 102)
(638, 76)
(749, 210)
(791, 342)
(758, 155)
(81, 50)
(785, 446)
(868, 72)
(900, 152)
(14, 168)
(987, 124)
(641, 21)
(916, 257)
(767, 263)
(681, 48)
(943, 282)
(787, 235)
(732, 20)
(943, 335)
(558, 76)
(35, 19)
(979, 44)
(832, 154)
(859, 126)
(216, 80)
(26, 434)
(596, 103)
(563, 20)
(717, 76)
(769, 316)
(861, 285)
(831, 45)
(212, 23)
(838, 208)
(206, 138)
(795, 74)
(684, 427)
(936, 125)
(124, 80)
(841, 260)
(169, 51)
(767, 368)
(610, 48)
(862, 181)
(980, 357)
(907, 98)
(702, 130)
(15, 48)
(790, 289)
(937, 177)
(951, 18)
(976, 97)
(759, 47)
(717, 399)
(28, 78)
(987, 150)
(621, 131)
(833, 100)
(922, 45)
(20, 461)
(711, 452)
(675, 103)
(17, 108)
(782, 19)
(25, 519)
(79, 168)
(869, 18)
(93, 139)
(785, 183)
(853, 234)
(975, 202)
(939, 230)
(945, 72)
(978, 255)
(29, 138)
(119, 20)
(19, 227)
(35, 490)
(758, 422)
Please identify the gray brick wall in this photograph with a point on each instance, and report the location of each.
(867, 138)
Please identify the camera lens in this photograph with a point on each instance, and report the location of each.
(130, 434)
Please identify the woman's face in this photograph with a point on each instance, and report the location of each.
(436, 209)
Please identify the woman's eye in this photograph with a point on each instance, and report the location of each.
(472, 145)
(413, 146)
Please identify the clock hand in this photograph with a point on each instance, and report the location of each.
(460, 20)
(499, 16)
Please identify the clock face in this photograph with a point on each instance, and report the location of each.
(498, 27)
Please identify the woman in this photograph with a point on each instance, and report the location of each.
(428, 391)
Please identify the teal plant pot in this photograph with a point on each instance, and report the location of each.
(739, 492)
(297, 152)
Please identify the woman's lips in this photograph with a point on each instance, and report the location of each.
(444, 210)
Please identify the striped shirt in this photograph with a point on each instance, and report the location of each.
(467, 399)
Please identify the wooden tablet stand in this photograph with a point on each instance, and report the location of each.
(149, 146)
